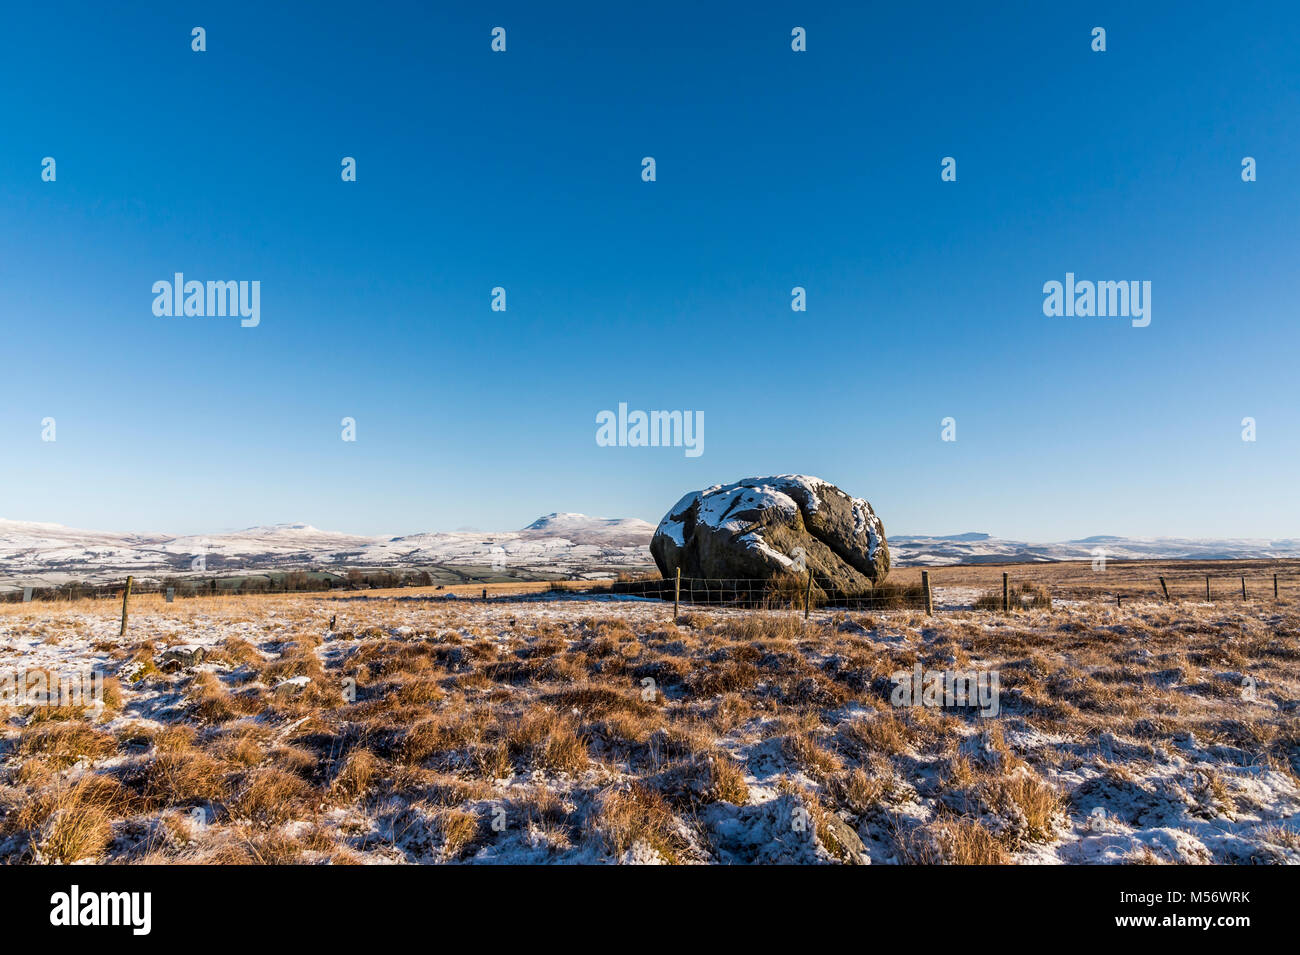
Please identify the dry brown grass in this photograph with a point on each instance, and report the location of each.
(950, 842)
(74, 823)
(613, 732)
(271, 796)
(182, 776)
(357, 773)
(457, 830)
(60, 745)
(637, 814)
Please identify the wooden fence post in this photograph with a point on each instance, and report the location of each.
(677, 593)
(1006, 594)
(1275, 586)
(925, 587)
(126, 595)
(1243, 588)
(1207, 588)
(807, 597)
(1164, 587)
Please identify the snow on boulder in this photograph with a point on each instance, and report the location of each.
(762, 528)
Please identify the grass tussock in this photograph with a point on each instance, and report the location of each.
(1022, 595)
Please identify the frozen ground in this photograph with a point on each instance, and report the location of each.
(600, 731)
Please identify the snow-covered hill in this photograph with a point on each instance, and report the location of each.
(34, 554)
(582, 529)
(279, 540)
(561, 544)
(981, 548)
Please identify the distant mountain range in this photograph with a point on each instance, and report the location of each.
(557, 545)
(984, 549)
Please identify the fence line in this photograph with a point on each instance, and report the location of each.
(808, 592)
(1016, 593)
(805, 592)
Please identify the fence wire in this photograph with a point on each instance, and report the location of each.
(1015, 591)
(779, 593)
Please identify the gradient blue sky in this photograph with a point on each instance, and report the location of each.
(775, 169)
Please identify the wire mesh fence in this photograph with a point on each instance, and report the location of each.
(779, 593)
(1212, 587)
(1022, 587)
(942, 589)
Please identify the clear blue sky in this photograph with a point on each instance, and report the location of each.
(775, 169)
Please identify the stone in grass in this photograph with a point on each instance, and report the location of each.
(845, 843)
(179, 658)
(292, 686)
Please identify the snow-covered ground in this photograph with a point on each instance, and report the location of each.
(580, 730)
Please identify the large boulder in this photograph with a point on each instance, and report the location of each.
(772, 527)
